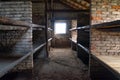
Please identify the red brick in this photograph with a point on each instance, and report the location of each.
(97, 18)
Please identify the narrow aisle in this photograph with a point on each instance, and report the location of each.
(62, 65)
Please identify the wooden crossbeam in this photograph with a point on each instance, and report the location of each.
(112, 24)
(67, 11)
(7, 21)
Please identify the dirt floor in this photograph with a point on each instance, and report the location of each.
(63, 64)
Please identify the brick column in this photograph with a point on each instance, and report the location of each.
(20, 10)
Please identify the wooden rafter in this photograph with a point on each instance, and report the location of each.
(74, 7)
(83, 3)
(77, 4)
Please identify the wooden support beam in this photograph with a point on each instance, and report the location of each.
(81, 28)
(7, 21)
(67, 11)
(39, 47)
(6, 69)
(84, 48)
(8, 27)
(39, 1)
(46, 27)
(112, 24)
(49, 39)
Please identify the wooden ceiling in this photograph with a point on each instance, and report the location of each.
(77, 4)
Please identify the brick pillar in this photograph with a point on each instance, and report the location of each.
(20, 10)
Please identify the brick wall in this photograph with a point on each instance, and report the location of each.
(105, 43)
(38, 13)
(105, 10)
(74, 33)
(38, 38)
(17, 10)
(24, 45)
(102, 42)
(20, 10)
(26, 64)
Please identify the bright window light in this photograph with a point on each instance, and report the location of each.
(60, 28)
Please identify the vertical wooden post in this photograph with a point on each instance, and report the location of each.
(51, 16)
(90, 38)
(52, 20)
(46, 27)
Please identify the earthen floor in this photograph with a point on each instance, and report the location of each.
(62, 64)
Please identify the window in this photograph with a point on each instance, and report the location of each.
(60, 27)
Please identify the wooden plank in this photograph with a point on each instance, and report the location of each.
(9, 65)
(72, 29)
(112, 24)
(4, 63)
(110, 62)
(39, 47)
(84, 48)
(67, 11)
(6, 69)
(37, 26)
(84, 27)
(80, 28)
(7, 21)
(49, 39)
(9, 27)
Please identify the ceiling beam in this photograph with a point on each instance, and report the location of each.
(42, 1)
(63, 10)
